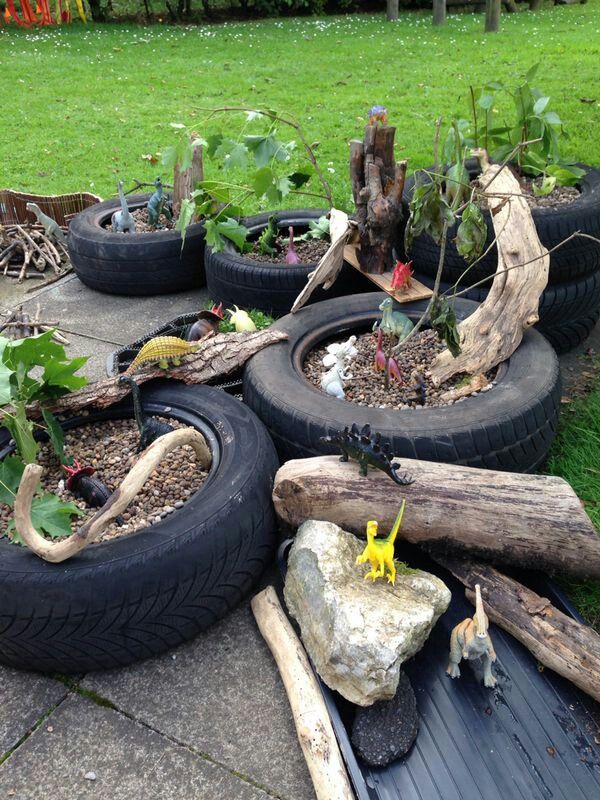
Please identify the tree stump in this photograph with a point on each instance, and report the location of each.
(184, 182)
(377, 185)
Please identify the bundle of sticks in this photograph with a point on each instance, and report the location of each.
(17, 324)
(26, 245)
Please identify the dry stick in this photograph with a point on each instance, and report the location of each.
(141, 184)
(119, 500)
(35, 246)
(53, 279)
(313, 726)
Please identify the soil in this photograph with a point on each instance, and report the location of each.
(367, 387)
(110, 447)
(560, 195)
(309, 252)
(142, 225)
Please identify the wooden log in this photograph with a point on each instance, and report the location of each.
(377, 185)
(556, 640)
(184, 182)
(313, 726)
(494, 331)
(532, 521)
(219, 356)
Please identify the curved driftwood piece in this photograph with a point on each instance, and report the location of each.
(313, 726)
(559, 642)
(532, 521)
(115, 505)
(494, 331)
(218, 356)
(341, 230)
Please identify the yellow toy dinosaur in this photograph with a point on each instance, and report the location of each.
(380, 552)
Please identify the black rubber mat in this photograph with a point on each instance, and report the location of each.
(533, 737)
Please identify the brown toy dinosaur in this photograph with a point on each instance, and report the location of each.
(470, 640)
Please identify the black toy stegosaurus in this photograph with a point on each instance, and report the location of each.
(366, 448)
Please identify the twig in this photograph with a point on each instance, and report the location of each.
(436, 141)
(141, 184)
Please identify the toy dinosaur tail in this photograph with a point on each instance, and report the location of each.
(405, 480)
(394, 532)
(137, 403)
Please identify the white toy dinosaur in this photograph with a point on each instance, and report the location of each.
(122, 221)
(338, 354)
(470, 640)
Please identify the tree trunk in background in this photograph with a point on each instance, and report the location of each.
(392, 10)
(98, 11)
(439, 12)
(535, 5)
(492, 15)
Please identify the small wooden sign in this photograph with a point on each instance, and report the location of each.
(416, 290)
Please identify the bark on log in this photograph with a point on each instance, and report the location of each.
(219, 356)
(556, 640)
(185, 182)
(377, 185)
(119, 500)
(313, 726)
(495, 330)
(532, 521)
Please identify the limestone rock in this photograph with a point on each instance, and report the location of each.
(386, 730)
(357, 633)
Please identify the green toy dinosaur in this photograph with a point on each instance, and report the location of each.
(393, 322)
(51, 226)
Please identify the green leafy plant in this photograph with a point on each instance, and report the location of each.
(18, 387)
(268, 173)
(317, 229)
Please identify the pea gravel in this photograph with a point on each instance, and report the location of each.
(110, 447)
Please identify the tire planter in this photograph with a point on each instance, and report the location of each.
(137, 596)
(134, 265)
(576, 259)
(509, 428)
(568, 311)
(233, 278)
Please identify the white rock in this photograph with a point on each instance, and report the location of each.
(90, 776)
(357, 633)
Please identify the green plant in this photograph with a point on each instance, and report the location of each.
(531, 140)
(18, 387)
(317, 229)
(264, 161)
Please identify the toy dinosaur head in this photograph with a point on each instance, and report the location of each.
(386, 304)
(371, 530)
(75, 472)
(480, 618)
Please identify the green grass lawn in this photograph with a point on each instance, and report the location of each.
(82, 104)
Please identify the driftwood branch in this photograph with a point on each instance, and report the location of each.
(556, 640)
(119, 500)
(532, 521)
(313, 726)
(340, 231)
(218, 356)
(494, 331)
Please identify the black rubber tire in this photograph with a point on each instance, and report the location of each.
(574, 260)
(560, 304)
(233, 278)
(509, 428)
(570, 335)
(137, 596)
(134, 265)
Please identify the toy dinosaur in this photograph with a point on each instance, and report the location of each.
(470, 640)
(162, 350)
(419, 388)
(50, 226)
(122, 221)
(368, 451)
(91, 490)
(158, 204)
(267, 241)
(394, 323)
(150, 428)
(380, 552)
(208, 322)
(401, 276)
(241, 319)
(377, 114)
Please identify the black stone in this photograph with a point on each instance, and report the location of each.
(385, 731)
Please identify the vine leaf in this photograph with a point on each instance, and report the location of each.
(443, 321)
(472, 233)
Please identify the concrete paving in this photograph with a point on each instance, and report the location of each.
(207, 720)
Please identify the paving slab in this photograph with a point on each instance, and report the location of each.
(129, 762)
(25, 697)
(222, 695)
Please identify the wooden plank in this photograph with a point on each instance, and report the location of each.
(417, 290)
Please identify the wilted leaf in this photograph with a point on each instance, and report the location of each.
(443, 321)
(150, 158)
(471, 234)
